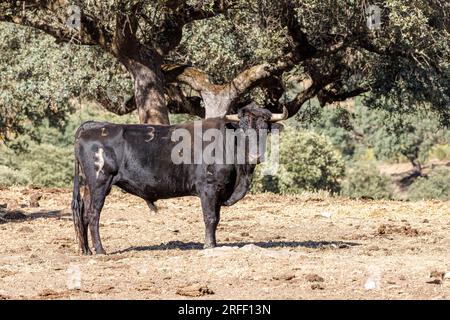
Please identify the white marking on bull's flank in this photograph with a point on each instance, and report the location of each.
(99, 161)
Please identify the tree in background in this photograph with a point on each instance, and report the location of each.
(209, 57)
(335, 122)
(353, 129)
(47, 160)
(409, 135)
(41, 78)
(365, 181)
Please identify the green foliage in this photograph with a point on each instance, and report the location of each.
(440, 152)
(307, 162)
(47, 165)
(27, 93)
(282, 182)
(39, 78)
(334, 122)
(365, 181)
(50, 162)
(10, 177)
(412, 26)
(392, 135)
(235, 41)
(404, 65)
(436, 186)
(373, 134)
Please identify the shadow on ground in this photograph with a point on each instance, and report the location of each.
(20, 216)
(179, 245)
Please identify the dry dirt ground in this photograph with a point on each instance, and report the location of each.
(274, 247)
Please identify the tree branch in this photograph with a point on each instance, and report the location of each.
(218, 98)
(115, 106)
(302, 48)
(50, 17)
(294, 105)
(179, 103)
(125, 43)
(195, 78)
(327, 96)
(179, 14)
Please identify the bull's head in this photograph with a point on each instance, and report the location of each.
(255, 119)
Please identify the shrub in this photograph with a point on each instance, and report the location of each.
(282, 182)
(435, 186)
(308, 162)
(365, 181)
(10, 177)
(48, 166)
(441, 152)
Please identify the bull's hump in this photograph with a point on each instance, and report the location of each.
(89, 125)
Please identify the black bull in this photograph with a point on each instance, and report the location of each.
(137, 158)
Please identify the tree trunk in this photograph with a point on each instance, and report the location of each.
(148, 87)
(417, 166)
(217, 104)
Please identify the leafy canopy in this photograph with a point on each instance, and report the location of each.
(323, 48)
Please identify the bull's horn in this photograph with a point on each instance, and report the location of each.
(232, 117)
(280, 116)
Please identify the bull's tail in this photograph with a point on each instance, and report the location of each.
(77, 205)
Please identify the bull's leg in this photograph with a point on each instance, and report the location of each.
(98, 196)
(151, 205)
(94, 220)
(211, 216)
(84, 244)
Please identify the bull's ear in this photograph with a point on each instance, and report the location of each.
(241, 112)
(276, 126)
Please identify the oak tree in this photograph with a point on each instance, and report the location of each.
(210, 57)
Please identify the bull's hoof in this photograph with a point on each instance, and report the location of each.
(86, 252)
(209, 245)
(100, 252)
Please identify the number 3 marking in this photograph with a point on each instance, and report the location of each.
(150, 134)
